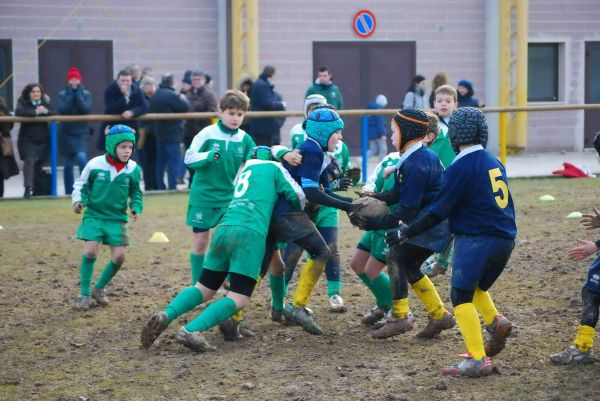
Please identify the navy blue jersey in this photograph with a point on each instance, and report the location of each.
(475, 198)
(308, 174)
(418, 178)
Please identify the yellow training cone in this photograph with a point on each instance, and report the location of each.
(546, 198)
(574, 215)
(158, 237)
(1, 228)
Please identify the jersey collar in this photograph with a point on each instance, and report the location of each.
(412, 149)
(467, 151)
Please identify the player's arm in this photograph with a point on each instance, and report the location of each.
(81, 188)
(289, 188)
(375, 179)
(195, 157)
(135, 194)
(282, 153)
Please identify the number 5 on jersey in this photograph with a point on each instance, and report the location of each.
(498, 185)
(243, 184)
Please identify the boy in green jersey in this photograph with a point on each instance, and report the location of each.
(216, 154)
(237, 249)
(103, 189)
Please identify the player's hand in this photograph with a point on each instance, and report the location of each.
(293, 158)
(78, 207)
(388, 171)
(395, 238)
(342, 184)
(585, 249)
(591, 221)
(133, 216)
(127, 114)
(354, 173)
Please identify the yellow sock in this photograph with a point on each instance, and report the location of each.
(585, 338)
(400, 308)
(306, 283)
(470, 328)
(238, 316)
(485, 306)
(428, 295)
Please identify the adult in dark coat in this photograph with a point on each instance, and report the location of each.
(465, 94)
(8, 164)
(73, 138)
(169, 133)
(34, 138)
(146, 145)
(126, 99)
(265, 131)
(201, 99)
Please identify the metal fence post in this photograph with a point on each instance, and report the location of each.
(365, 146)
(54, 157)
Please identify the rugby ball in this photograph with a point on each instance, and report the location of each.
(373, 207)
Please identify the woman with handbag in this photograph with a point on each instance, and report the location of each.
(34, 137)
(8, 164)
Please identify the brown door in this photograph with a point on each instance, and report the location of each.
(362, 70)
(93, 58)
(6, 84)
(592, 91)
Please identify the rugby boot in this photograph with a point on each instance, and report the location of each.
(245, 331)
(157, 324)
(373, 316)
(496, 335)
(100, 296)
(470, 367)
(82, 303)
(230, 329)
(303, 318)
(436, 326)
(336, 304)
(394, 326)
(194, 340)
(572, 356)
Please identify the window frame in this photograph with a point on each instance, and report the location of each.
(560, 71)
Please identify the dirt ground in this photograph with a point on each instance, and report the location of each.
(48, 351)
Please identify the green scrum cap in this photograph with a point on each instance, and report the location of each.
(117, 134)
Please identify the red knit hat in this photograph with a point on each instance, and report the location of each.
(74, 73)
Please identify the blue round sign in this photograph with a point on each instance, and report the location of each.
(364, 23)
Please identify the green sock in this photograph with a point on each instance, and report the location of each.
(107, 274)
(383, 291)
(214, 314)
(85, 274)
(197, 262)
(334, 288)
(277, 284)
(185, 301)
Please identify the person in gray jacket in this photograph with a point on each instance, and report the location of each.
(415, 97)
(74, 138)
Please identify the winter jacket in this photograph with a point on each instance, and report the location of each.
(166, 100)
(467, 100)
(38, 132)
(262, 99)
(331, 92)
(200, 100)
(415, 100)
(74, 137)
(376, 126)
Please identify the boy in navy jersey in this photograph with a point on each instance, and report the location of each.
(475, 199)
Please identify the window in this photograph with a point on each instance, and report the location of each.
(543, 72)
(6, 88)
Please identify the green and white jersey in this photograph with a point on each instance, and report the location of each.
(376, 182)
(213, 181)
(442, 146)
(104, 192)
(257, 189)
(297, 135)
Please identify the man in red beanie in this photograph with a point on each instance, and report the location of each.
(73, 138)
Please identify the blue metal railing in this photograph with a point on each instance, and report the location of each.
(54, 157)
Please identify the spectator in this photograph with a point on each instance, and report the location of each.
(169, 133)
(324, 86)
(186, 82)
(415, 97)
(201, 99)
(73, 138)
(265, 131)
(441, 78)
(245, 85)
(377, 130)
(34, 137)
(125, 99)
(136, 73)
(8, 164)
(465, 94)
(147, 72)
(147, 140)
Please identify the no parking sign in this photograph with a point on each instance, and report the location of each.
(364, 23)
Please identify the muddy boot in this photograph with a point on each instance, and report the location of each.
(470, 367)
(572, 356)
(496, 335)
(245, 332)
(336, 304)
(82, 303)
(230, 329)
(193, 340)
(100, 296)
(302, 317)
(395, 326)
(157, 324)
(436, 326)
(373, 316)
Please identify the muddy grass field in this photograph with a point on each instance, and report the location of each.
(48, 351)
